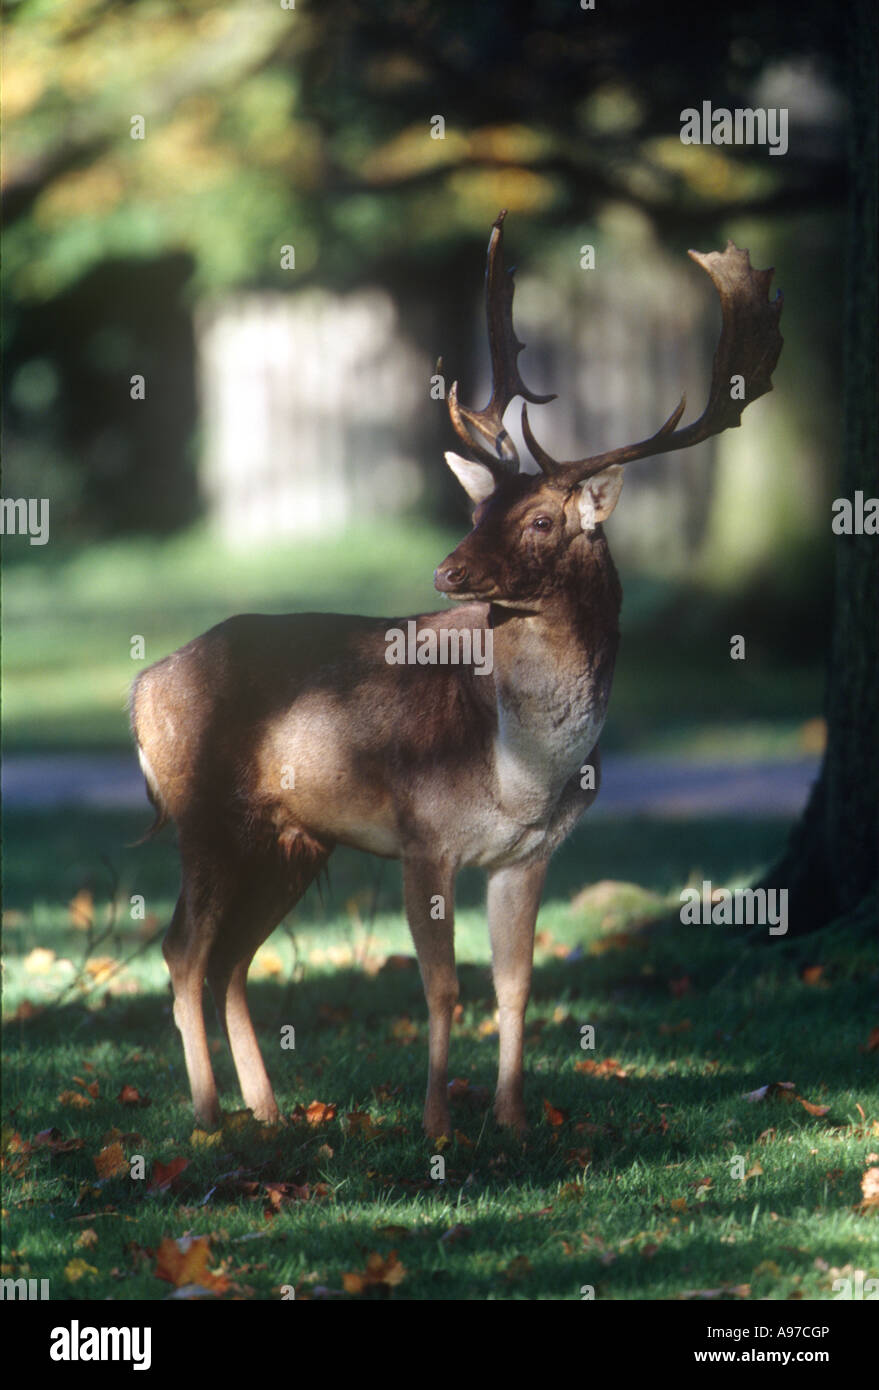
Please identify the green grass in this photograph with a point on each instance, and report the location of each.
(69, 620)
(616, 1196)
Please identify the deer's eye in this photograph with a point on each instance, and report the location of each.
(542, 523)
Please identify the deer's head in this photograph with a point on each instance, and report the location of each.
(532, 531)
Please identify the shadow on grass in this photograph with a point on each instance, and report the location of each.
(610, 1186)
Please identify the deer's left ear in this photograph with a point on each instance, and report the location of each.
(599, 495)
(477, 481)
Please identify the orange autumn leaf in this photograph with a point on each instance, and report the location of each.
(130, 1095)
(361, 1123)
(379, 1271)
(54, 1140)
(725, 1291)
(608, 1066)
(775, 1090)
(111, 1161)
(75, 1099)
(555, 1116)
(39, 961)
(813, 1109)
(81, 910)
(165, 1175)
(870, 1189)
(404, 1030)
(872, 1043)
(101, 968)
(812, 974)
(318, 1113)
(185, 1261)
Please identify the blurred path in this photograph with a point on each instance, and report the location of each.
(669, 788)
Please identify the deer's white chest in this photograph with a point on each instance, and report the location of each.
(534, 760)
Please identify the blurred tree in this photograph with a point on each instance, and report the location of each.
(830, 867)
(264, 126)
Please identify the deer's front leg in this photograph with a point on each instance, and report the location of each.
(513, 900)
(428, 890)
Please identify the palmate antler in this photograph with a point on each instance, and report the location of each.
(749, 347)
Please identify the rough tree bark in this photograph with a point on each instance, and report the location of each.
(830, 864)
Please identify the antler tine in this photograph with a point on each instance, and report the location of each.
(749, 347)
(492, 445)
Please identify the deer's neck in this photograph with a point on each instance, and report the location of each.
(552, 676)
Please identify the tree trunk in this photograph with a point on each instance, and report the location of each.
(830, 864)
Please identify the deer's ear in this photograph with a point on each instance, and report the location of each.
(477, 481)
(599, 496)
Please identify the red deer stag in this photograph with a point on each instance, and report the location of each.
(270, 740)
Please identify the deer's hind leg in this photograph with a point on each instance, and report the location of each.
(263, 895)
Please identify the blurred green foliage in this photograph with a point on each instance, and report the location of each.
(265, 125)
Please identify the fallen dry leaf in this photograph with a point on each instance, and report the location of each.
(77, 1269)
(726, 1291)
(380, 1272)
(554, 1115)
(101, 968)
(266, 964)
(130, 1095)
(75, 1099)
(53, 1139)
(111, 1162)
(81, 910)
(165, 1175)
(812, 1109)
(317, 1113)
(870, 1190)
(785, 1091)
(404, 1030)
(39, 961)
(185, 1261)
(812, 975)
(608, 1066)
(359, 1122)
